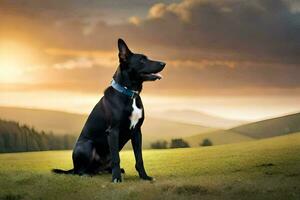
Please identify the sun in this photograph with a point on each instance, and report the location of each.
(14, 58)
(10, 69)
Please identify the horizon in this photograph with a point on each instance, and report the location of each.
(222, 106)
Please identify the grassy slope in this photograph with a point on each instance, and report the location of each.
(217, 137)
(264, 169)
(258, 130)
(270, 127)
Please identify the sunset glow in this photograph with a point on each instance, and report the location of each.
(231, 107)
(14, 60)
(64, 59)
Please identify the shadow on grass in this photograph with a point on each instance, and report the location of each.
(11, 197)
(185, 189)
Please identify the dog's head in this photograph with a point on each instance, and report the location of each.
(137, 66)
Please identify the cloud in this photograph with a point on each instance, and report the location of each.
(83, 62)
(261, 30)
(134, 20)
(294, 6)
(75, 63)
(206, 43)
(202, 64)
(157, 11)
(78, 53)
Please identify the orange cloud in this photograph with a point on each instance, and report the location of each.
(202, 63)
(135, 20)
(84, 62)
(83, 59)
(79, 53)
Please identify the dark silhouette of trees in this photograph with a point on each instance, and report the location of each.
(206, 142)
(159, 145)
(179, 143)
(18, 138)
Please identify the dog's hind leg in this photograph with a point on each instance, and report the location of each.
(109, 170)
(107, 165)
(83, 157)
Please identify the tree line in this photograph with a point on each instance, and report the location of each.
(177, 143)
(20, 138)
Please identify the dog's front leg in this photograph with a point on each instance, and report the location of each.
(136, 142)
(113, 141)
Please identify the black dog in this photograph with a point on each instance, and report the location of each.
(116, 119)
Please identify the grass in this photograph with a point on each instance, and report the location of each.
(264, 169)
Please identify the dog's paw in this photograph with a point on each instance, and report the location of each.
(116, 175)
(117, 180)
(147, 178)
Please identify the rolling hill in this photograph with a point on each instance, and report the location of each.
(69, 123)
(260, 170)
(199, 118)
(270, 127)
(47, 120)
(217, 137)
(258, 130)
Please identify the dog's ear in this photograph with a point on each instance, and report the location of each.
(124, 51)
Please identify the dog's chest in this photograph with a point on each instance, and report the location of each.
(135, 116)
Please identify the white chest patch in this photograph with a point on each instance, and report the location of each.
(136, 115)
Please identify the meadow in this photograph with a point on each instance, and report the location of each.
(262, 169)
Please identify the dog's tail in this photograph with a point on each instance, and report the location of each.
(60, 171)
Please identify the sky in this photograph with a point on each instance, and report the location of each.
(238, 59)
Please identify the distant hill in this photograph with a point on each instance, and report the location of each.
(18, 138)
(70, 123)
(217, 137)
(154, 129)
(47, 120)
(258, 130)
(199, 118)
(270, 127)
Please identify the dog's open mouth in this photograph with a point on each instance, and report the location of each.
(158, 75)
(152, 76)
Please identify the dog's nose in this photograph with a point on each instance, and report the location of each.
(162, 63)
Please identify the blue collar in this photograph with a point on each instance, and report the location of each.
(124, 90)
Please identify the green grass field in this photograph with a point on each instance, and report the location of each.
(263, 169)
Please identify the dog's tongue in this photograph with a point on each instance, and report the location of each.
(158, 75)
